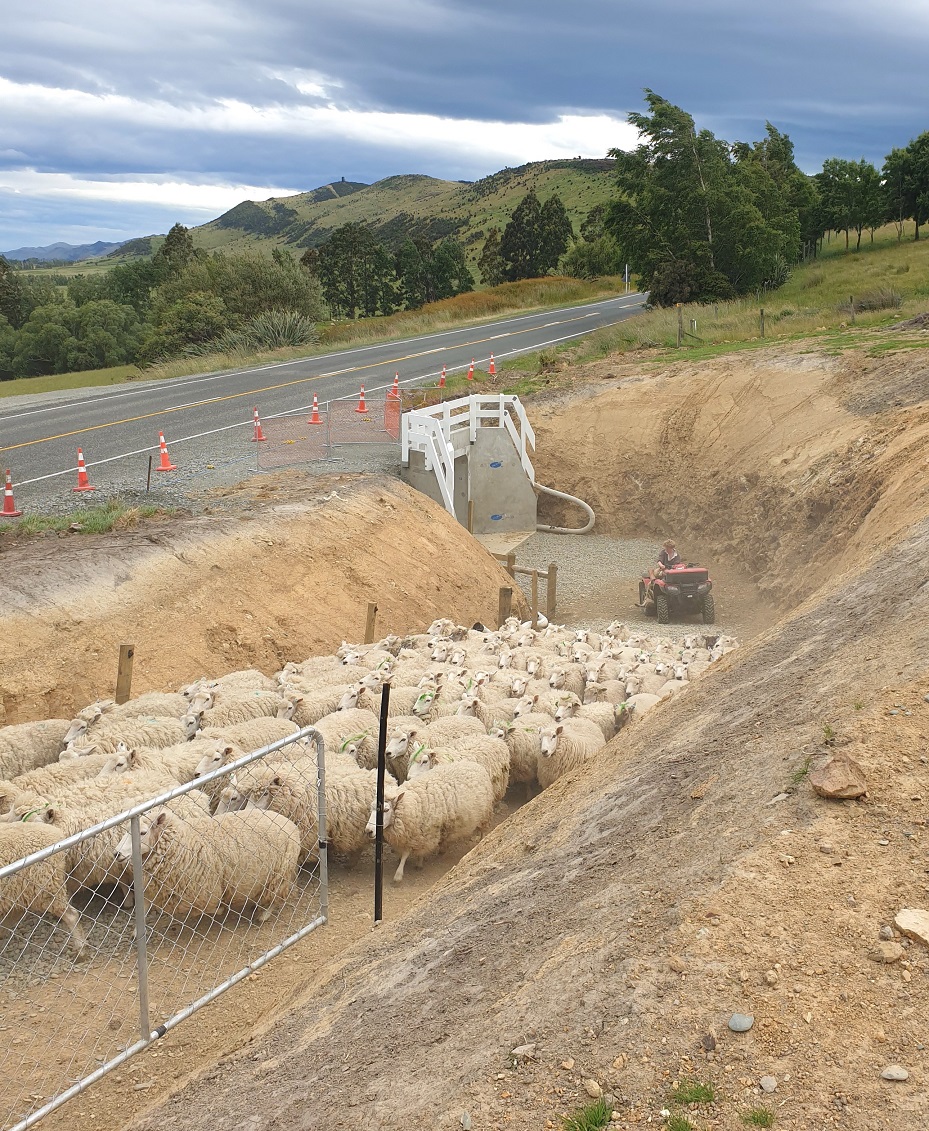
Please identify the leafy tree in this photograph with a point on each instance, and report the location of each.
(412, 283)
(248, 283)
(11, 294)
(7, 347)
(596, 253)
(899, 184)
(177, 252)
(190, 320)
(449, 270)
(691, 221)
(851, 195)
(556, 233)
(521, 243)
(490, 264)
(62, 338)
(356, 272)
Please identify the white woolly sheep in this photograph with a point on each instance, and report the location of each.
(26, 746)
(491, 753)
(605, 691)
(443, 732)
(568, 677)
(563, 748)
(57, 776)
(641, 703)
(489, 714)
(253, 734)
(353, 732)
(420, 818)
(522, 739)
(202, 865)
(106, 736)
(41, 888)
(601, 715)
(230, 709)
(92, 862)
(290, 790)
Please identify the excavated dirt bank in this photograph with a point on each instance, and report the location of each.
(617, 921)
(287, 575)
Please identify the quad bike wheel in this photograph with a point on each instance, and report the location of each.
(709, 609)
(661, 608)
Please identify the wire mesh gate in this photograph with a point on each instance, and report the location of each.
(296, 438)
(215, 898)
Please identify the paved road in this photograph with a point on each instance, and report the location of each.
(119, 425)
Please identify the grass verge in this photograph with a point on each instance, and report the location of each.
(112, 515)
(693, 1092)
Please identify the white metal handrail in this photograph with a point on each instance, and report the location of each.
(446, 430)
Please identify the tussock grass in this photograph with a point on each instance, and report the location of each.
(589, 1118)
(693, 1092)
(759, 1117)
(112, 515)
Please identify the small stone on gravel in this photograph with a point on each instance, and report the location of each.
(886, 934)
(768, 1084)
(895, 1072)
(886, 952)
(593, 1089)
(741, 1022)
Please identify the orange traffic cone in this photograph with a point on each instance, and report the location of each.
(493, 369)
(442, 379)
(395, 387)
(259, 435)
(166, 464)
(362, 407)
(83, 480)
(315, 417)
(9, 507)
(471, 370)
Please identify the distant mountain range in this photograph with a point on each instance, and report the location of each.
(396, 208)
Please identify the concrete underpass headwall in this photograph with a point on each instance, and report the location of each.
(491, 476)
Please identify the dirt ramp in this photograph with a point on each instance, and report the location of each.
(284, 573)
(789, 465)
(621, 918)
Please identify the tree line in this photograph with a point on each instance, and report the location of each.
(180, 300)
(700, 218)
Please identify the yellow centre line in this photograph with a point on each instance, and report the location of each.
(262, 389)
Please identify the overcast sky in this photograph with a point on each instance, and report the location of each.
(118, 117)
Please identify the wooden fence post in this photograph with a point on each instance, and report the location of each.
(534, 583)
(511, 566)
(369, 623)
(851, 303)
(762, 321)
(124, 672)
(504, 604)
(680, 325)
(551, 597)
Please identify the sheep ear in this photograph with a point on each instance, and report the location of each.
(50, 815)
(227, 751)
(133, 756)
(559, 729)
(162, 818)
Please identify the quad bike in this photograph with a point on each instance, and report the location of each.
(684, 590)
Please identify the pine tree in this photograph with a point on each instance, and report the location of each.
(490, 264)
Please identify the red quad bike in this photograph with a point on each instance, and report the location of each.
(684, 590)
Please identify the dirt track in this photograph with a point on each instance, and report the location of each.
(623, 916)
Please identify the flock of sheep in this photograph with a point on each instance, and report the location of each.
(472, 712)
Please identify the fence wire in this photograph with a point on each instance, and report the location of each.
(294, 438)
(110, 935)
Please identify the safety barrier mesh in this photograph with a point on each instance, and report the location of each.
(292, 439)
(86, 979)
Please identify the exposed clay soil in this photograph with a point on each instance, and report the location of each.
(619, 919)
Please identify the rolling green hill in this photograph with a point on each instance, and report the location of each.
(408, 205)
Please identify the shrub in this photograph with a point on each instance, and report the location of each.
(759, 1117)
(590, 1118)
(270, 330)
(693, 1092)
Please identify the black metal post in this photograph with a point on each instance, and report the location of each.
(379, 817)
(148, 481)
